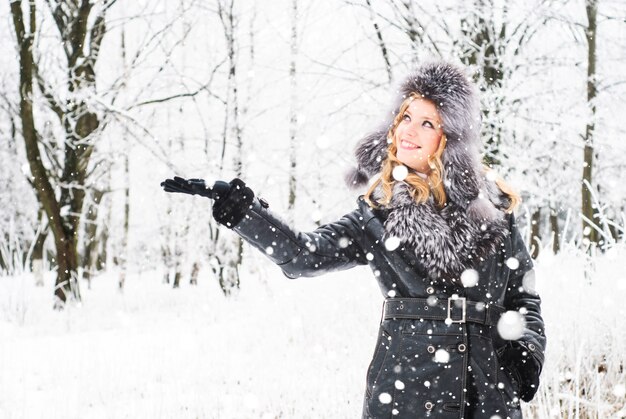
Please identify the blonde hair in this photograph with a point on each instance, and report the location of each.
(421, 188)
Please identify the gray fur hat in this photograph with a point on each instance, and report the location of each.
(456, 101)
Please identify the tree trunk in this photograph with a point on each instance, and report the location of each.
(229, 274)
(124, 250)
(195, 269)
(589, 212)
(554, 228)
(535, 233)
(381, 42)
(38, 248)
(123, 263)
(92, 245)
(293, 113)
(81, 36)
(484, 55)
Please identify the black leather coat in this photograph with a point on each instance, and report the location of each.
(423, 365)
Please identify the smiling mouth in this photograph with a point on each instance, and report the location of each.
(408, 145)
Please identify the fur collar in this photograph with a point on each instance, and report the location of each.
(445, 242)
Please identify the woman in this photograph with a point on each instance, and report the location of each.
(461, 334)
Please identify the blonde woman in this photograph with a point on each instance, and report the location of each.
(461, 333)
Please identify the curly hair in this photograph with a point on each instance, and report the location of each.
(422, 188)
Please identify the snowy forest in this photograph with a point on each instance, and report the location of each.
(119, 300)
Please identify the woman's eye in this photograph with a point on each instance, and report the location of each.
(428, 124)
(406, 117)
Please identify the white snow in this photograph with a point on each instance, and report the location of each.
(392, 243)
(385, 398)
(512, 263)
(323, 142)
(400, 172)
(344, 242)
(469, 278)
(442, 356)
(511, 325)
(275, 350)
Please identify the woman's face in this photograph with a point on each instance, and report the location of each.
(418, 134)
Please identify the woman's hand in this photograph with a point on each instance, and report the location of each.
(196, 187)
(231, 200)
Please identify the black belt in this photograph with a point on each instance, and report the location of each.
(451, 310)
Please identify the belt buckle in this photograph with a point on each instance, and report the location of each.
(449, 319)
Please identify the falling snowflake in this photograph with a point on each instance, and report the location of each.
(392, 243)
(322, 142)
(395, 412)
(269, 250)
(528, 282)
(511, 325)
(469, 278)
(442, 356)
(344, 242)
(369, 256)
(491, 175)
(512, 263)
(384, 398)
(391, 293)
(399, 385)
(316, 215)
(400, 172)
(251, 401)
(427, 383)
(431, 300)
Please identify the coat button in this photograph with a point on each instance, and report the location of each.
(431, 349)
(461, 347)
(429, 405)
(264, 203)
(531, 347)
(430, 290)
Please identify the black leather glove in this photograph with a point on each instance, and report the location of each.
(517, 356)
(231, 200)
(196, 187)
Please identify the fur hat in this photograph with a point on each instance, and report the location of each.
(455, 99)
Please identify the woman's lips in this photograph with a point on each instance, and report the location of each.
(408, 145)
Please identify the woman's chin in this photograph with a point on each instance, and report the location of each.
(414, 166)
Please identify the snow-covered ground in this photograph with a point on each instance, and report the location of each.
(280, 349)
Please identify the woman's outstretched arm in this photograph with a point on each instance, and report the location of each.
(331, 247)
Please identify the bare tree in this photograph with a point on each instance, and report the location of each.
(60, 184)
(590, 215)
(293, 111)
(231, 245)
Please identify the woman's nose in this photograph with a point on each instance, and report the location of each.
(411, 129)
